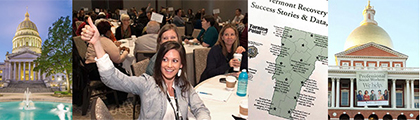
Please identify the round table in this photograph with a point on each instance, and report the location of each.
(220, 110)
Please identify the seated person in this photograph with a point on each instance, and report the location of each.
(165, 95)
(148, 42)
(168, 32)
(220, 58)
(104, 28)
(125, 30)
(208, 35)
(178, 21)
(113, 52)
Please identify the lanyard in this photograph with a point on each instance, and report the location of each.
(176, 112)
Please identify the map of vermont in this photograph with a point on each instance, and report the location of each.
(295, 63)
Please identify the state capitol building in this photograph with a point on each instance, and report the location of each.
(18, 66)
(370, 79)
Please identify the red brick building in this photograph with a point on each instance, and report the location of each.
(369, 52)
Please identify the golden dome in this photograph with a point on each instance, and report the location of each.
(368, 31)
(27, 24)
(27, 37)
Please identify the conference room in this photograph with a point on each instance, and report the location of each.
(134, 31)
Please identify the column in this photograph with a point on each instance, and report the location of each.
(33, 72)
(407, 93)
(394, 102)
(24, 71)
(19, 78)
(14, 70)
(351, 92)
(412, 93)
(332, 92)
(364, 65)
(30, 71)
(10, 70)
(337, 103)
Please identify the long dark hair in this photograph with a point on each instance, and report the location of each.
(165, 28)
(221, 42)
(180, 81)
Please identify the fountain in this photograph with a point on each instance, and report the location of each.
(26, 110)
(61, 112)
(27, 104)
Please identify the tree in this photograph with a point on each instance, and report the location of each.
(56, 56)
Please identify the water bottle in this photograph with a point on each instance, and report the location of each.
(242, 83)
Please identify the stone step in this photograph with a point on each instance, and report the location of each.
(21, 87)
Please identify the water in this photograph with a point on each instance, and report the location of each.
(242, 83)
(42, 111)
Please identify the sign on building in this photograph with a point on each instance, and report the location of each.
(372, 88)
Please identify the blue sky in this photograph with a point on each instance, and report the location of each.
(399, 18)
(42, 12)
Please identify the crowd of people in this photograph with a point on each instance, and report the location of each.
(167, 68)
(372, 96)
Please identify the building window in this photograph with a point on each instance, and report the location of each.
(344, 85)
(416, 99)
(1, 71)
(397, 65)
(345, 64)
(52, 78)
(1, 78)
(399, 97)
(344, 98)
(399, 86)
(384, 65)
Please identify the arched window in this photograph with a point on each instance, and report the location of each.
(402, 117)
(359, 117)
(387, 117)
(344, 117)
(373, 117)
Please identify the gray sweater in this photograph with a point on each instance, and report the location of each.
(153, 99)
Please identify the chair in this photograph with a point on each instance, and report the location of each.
(100, 111)
(189, 28)
(181, 31)
(82, 81)
(195, 33)
(141, 55)
(78, 23)
(138, 69)
(200, 62)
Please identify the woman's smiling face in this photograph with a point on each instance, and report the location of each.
(171, 63)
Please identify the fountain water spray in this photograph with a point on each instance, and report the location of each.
(27, 104)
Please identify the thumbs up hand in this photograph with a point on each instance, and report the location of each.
(90, 33)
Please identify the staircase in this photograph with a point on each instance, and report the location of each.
(20, 87)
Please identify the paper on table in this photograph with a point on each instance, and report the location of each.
(216, 94)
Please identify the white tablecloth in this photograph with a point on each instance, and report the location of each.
(130, 59)
(221, 110)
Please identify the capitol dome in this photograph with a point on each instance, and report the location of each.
(27, 37)
(368, 31)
